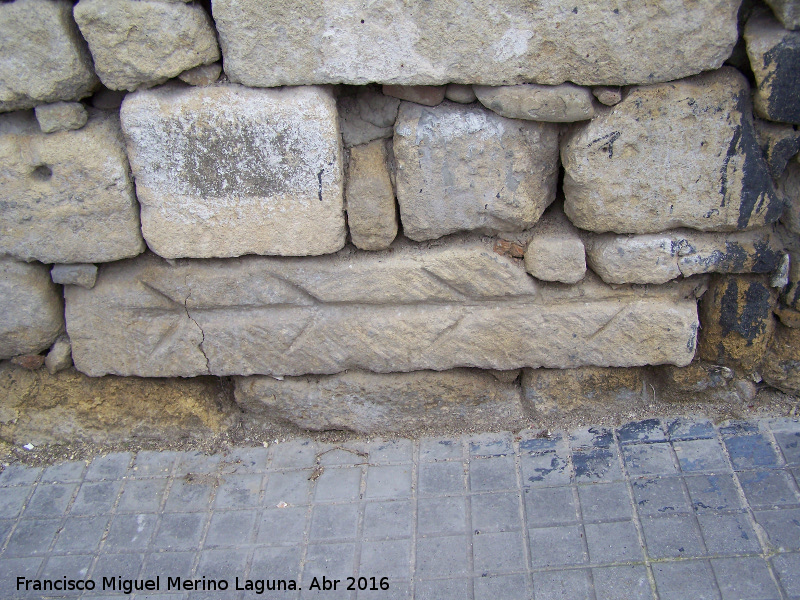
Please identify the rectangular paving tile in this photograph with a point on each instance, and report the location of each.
(81, 534)
(673, 536)
(649, 459)
(768, 489)
(573, 584)
(787, 568)
(188, 495)
(557, 546)
(386, 520)
(143, 495)
(443, 589)
(237, 491)
(64, 472)
(386, 558)
(782, 526)
(231, 528)
(442, 515)
(441, 556)
(245, 460)
(331, 522)
(19, 475)
(728, 533)
(492, 474)
(130, 532)
(500, 552)
(545, 469)
(711, 493)
(282, 525)
(614, 542)
(745, 578)
(545, 507)
(751, 450)
(605, 502)
(110, 466)
(282, 562)
(293, 454)
(507, 587)
(12, 499)
(591, 437)
(153, 463)
(32, 538)
(390, 451)
(341, 484)
(126, 566)
(48, 500)
(96, 497)
(700, 455)
(388, 481)
(684, 428)
(649, 430)
(685, 580)
(660, 496)
(180, 531)
(596, 465)
(434, 449)
(789, 443)
(442, 478)
(496, 512)
(290, 487)
(629, 582)
(491, 444)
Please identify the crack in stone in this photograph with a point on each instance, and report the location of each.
(202, 333)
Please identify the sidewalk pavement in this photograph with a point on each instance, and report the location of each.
(668, 509)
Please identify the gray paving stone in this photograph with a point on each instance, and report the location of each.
(442, 556)
(596, 465)
(238, 491)
(349, 454)
(130, 532)
(48, 500)
(180, 531)
(649, 430)
(613, 542)
(196, 462)
(64, 472)
(433, 449)
(71, 567)
(281, 562)
(398, 590)
(782, 527)
(728, 533)
(628, 582)
(749, 451)
(294, 454)
(649, 459)
(11, 568)
(386, 558)
(111, 466)
(591, 437)
(338, 485)
(531, 443)
(550, 506)
(700, 455)
(495, 553)
(496, 512)
(673, 536)
(684, 580)
(81, 534)
(19, 475)
(126, 566)
(787, 568)
(387, 520)
(154, 463)
(282, 525)
(245, 460)
(660, 495)
(232, 528)
(291, 487)
(445, 515)
(177, 563)
(713, 493)
(563, 585)
(32, 538)
(143, 495)
(492, 474)
(490, 444)
(222, 564)
(443, 589)
(790, 446)
(767, 489)
(745, 578)
(334, 522)
(738, 428)
(5, 528)
(189, 495)
(388, 482)
(605, 502)
(507, 587)
(390, 451)
(12, 499)
(96, 497)
(543, 469)
(334, 561)
(441, 478)
(557, 546)
(683, 428)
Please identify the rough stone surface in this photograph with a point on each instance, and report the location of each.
(42, 56)
(61, 116)
(82, 275)
(659, 257)
(563, 103)
(787, 11)
(31, 306)
(556, 252)
(608, 95)
(384, 402)
(144, 42)
(774, 56)
(781, 368)
(461, 93)
(60, 355)
(788, 316)
(789, 188)
(225, 170)
(29, 361)
(266, 44)
(202, 75)
(463, 167)
(371, 208)
(679, 154)
(367, 115)
(695, 378)
(427, 95)
(68, 407)
(779, 142)
(67, 197)
(577, 390)
(791, 295)
(404, 309)
(736, 321)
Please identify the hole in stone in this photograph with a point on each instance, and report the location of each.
(42, 173)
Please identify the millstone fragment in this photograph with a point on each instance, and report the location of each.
(678, 154)
(225, 170)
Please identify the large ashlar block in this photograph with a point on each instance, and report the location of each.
(678, 154)
(144, 42)
(267, 43)
(224, 170)
(464, 167)
(42, 56)
(31, 308)
(66, 197)
(455, 304)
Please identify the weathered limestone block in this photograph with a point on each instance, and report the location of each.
(461, 93)
(82, 275)
(225, 170)
(563, 103)
(659, 257)
(463, 167)
(202, 75)
(787, 11)
(789, 188)
(736, 321)
(368, 115)
(66, 197)
(774, 56)
(373, 403)
(679, 154)
(427, 95)
(555, 251)
(608, 95)
(268, 43)
(42, 56)
(779, 142)
(33, 314)
(61, 116)
(371, 209)
(144, 42)
(60, 355)
(699, 381)
(408, 308)
(781, 368)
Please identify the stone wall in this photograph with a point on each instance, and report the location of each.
(378, 217)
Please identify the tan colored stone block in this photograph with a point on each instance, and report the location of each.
(781, 368)
(555, 251)
(371, 208)
(461, 93)
(563, 103)
(61, 116)
(610, 96)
